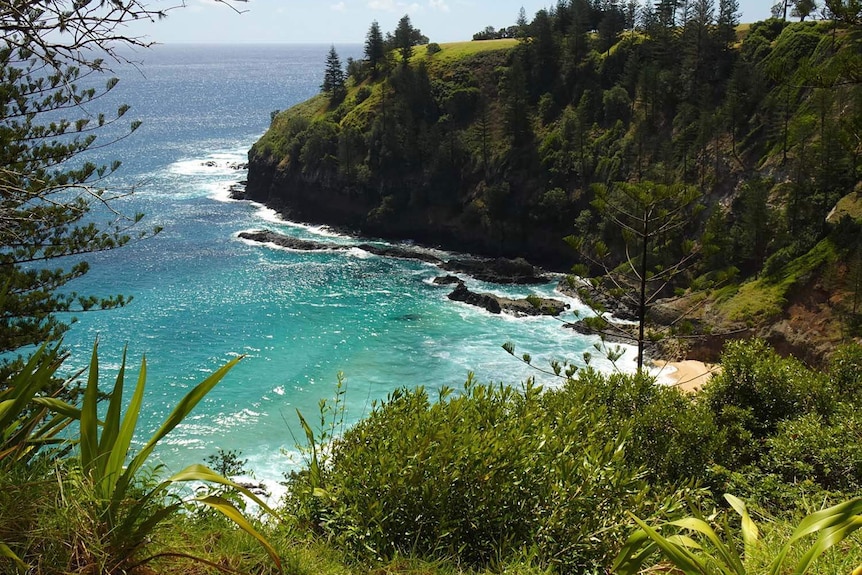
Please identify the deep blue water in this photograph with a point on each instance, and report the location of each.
(202, 296)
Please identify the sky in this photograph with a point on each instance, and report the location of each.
(347, 21)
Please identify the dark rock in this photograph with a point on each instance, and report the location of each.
(532, 306)
(580, 327)
(447, 280)
(485, 301)
(238, 165)
(500, 270)
(237, 191)
(209, 164)
(288, 242)
(400, 252)
(496, 304)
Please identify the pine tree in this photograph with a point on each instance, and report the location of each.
(374, 49)
(651, 253)
(51, 200)
(333, 78)
(404, 38)
(522, 25)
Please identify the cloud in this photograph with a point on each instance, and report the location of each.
(339, 7)
(438, 5)
(385, 5)
(394, 6)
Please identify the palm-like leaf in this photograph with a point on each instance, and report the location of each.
(831, 526)
(29, 420)
(130, 517)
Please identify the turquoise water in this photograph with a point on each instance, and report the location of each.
(203, 296)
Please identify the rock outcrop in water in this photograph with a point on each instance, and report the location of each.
(498, 270)
(522, 307)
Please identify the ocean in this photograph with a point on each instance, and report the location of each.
(203, 296)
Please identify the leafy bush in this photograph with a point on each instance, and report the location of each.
(812, 448)
(767, 388)
(481, 476)
(104, 506)
(845, 373)
(362, 94)
(673, 437)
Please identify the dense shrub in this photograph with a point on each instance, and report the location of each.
(812, 448)
(482, 475)
(673, 437)
(767, 388)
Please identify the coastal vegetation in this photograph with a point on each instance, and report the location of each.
(505, 147)
(729, 145)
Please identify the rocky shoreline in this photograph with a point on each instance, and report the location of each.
(495, 270)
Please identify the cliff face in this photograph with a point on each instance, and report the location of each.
(455, 227)
(422, 154)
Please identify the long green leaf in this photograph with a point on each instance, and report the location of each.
(750, 533)
(25, 385)
(89, 441)
(198, 472)
(314, 475)
(843, 514)
(111, 429)
(232, 513)
(829, 517)
(637, 549)
(828, 538)
(58, 406)
(117, 480)
(682, 559)
(728, 556)
(182, 409)
(9, 554)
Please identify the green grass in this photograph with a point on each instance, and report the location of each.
(454, 51)
(849, 205)
(766, 297)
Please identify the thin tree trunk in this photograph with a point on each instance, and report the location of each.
(642, 300)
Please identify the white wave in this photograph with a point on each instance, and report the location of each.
(268, 214)
(359, 254)
(209, 166)
(317, 230)
(220, 192)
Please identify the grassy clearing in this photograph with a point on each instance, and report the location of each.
(766, 297)
(850, 205)
(453, 51)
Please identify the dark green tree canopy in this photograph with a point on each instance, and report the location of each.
(374, 47)
(333, 78)
(406, 37)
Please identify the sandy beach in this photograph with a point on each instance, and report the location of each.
(689, 375)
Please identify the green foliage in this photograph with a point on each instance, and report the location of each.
(125, 508)
(50, 196)
(672, 436)
(481, 475)
(826, 451)
(758, 389)
(490, 473)
(713, 555)
(32, 417)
